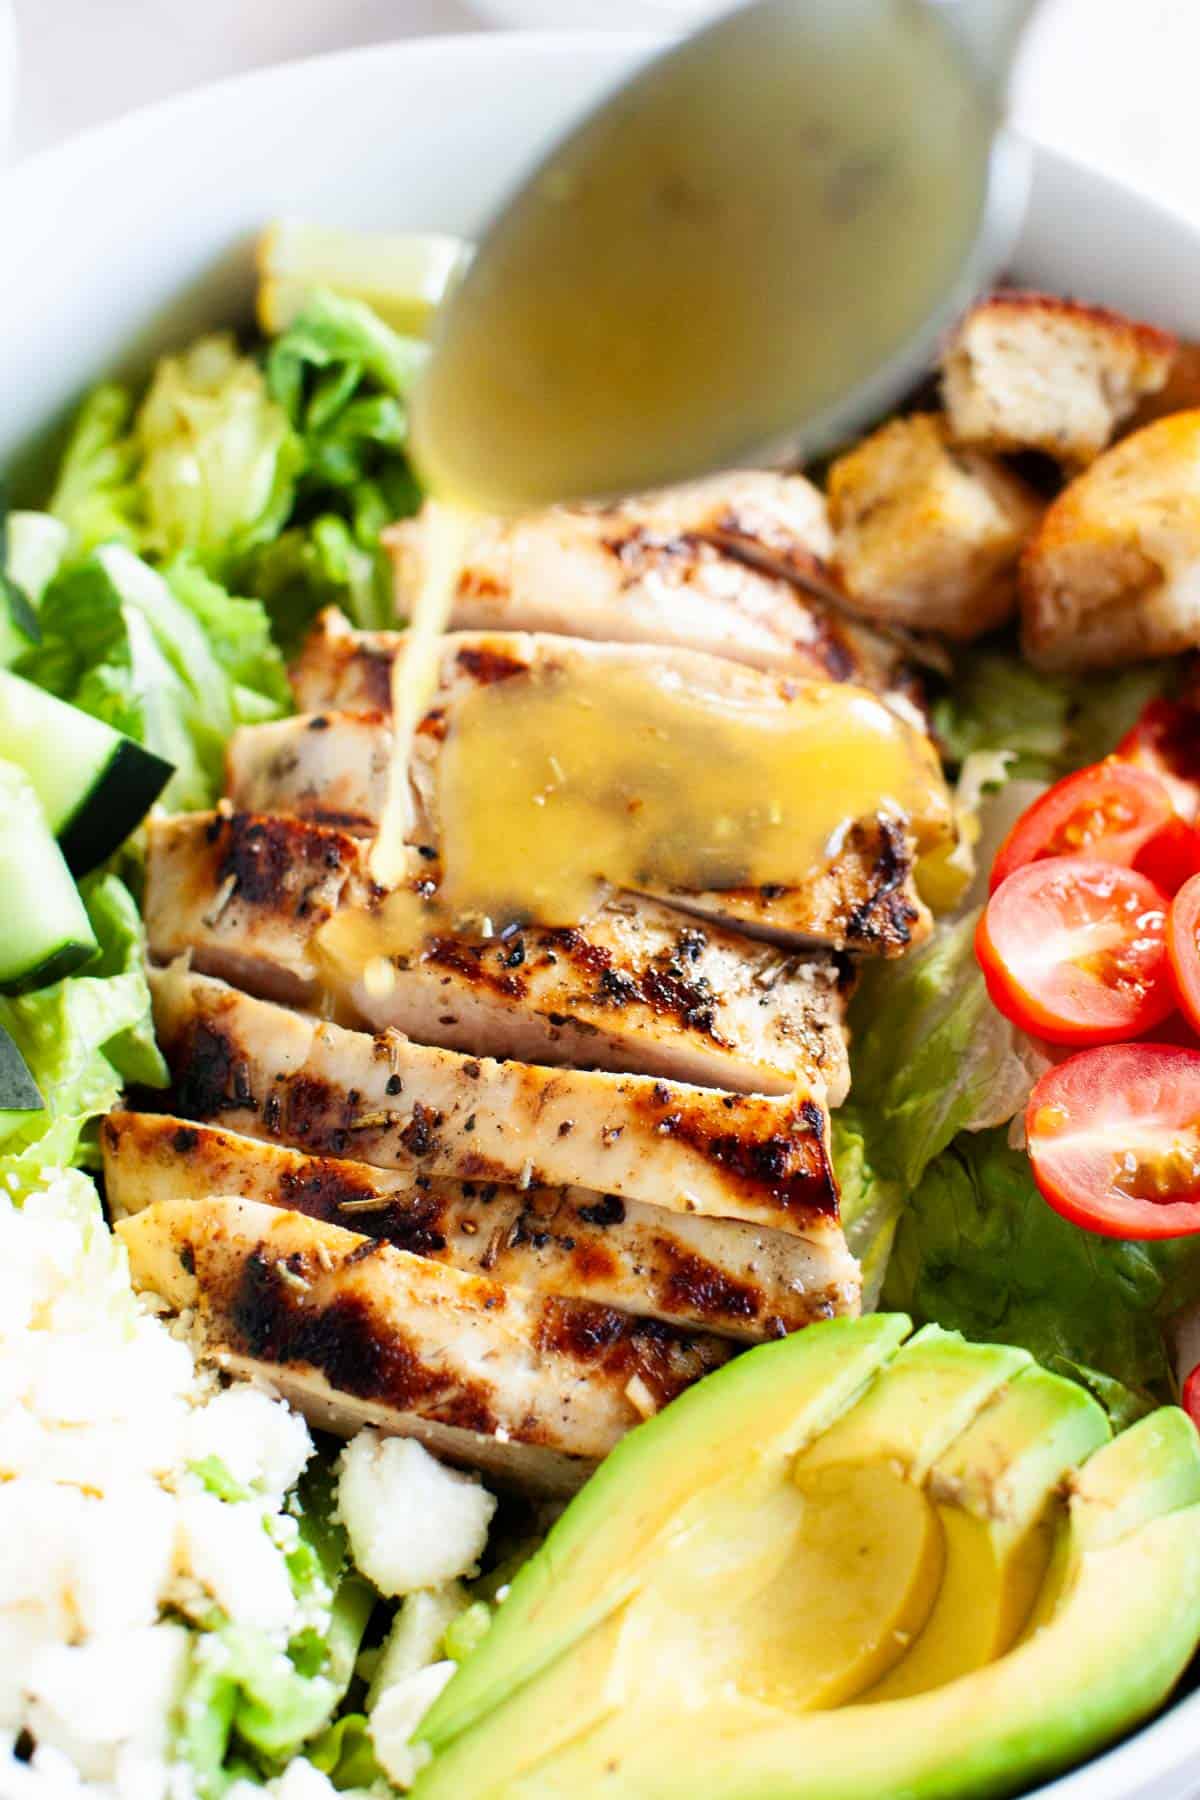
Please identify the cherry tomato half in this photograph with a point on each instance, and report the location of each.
(1183, 948)
(1191, 1397)
(1166, 741)
(1114, 1140)
(1109, 811)
(1074, 951)
(1171, 856)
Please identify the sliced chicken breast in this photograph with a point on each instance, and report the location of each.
(274, 1073)
(738, 566)
(864, 899)
(356, 1332)
(638, 987)
(334, 770)
(738, 1280)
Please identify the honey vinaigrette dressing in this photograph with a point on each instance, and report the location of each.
(637, 306)
(606, 768)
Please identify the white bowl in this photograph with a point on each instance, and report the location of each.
(137, 234)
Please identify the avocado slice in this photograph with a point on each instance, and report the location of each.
(1001, 1504)
(829, 1592)
(596, 1556)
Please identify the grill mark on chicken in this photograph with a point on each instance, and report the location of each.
(343, 1341)
(868, 889)
(404, 1343)
(266, 1070)
(261, 854)
(486, 665)
(885, 916)
(638, 988)
(741, 1281)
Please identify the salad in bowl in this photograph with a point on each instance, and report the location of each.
(685, 1271)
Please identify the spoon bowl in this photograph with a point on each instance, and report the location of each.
(741, 255)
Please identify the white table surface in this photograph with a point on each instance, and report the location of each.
(1112, 81)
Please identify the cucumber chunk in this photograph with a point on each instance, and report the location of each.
(46, 932)
(18, 1090)
(94, 783)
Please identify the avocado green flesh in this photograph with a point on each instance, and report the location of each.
(882, 1593)
(595, 1557)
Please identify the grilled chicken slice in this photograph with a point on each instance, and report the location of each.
(739, 1281)
(637, 988)
(863, 900)
(274, 1073)
(334, 770)
(355, 1332)
(737, 566)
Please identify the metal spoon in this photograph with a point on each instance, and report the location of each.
(743, 255)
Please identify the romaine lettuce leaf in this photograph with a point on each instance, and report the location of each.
(169, 658)
(1050, 723)
(345, 1753)
(217, 456)
(930, 1057)
(334, 333)
(82, 1038)
(978, 1250)
(931, 1054)
(316, 565)
(248, 1701)
(96, 495)
(342, 377)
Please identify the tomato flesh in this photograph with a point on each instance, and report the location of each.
(1114, 1140)
(1074, 951)
(1110, 811)
(1191, 1397)
(1166, 741)
(1171, 856)
(1183, 949)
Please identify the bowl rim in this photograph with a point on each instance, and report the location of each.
(1164, 1748)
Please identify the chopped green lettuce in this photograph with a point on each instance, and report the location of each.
(342, 377)
(931, 1057)
(978, 1250)
(1050, 724)
(931, 1054)
(32, 546)
(250, 1703)
(218, 458)
(96, 496)
(167, 657)
(347, 342)
(345, 1753)
(82, 1039)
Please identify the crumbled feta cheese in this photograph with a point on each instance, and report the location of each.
(262, 1443)
(88, 1700)
(416, 1635)
(225, 1548)
(299, 1781)
(102, 1527)
(412, 1522)
(397, 1714)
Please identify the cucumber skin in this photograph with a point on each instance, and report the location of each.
(66, 959)
(19, 1092)
(113, 807)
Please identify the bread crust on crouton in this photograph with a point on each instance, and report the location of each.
(1029, 371)
(1113, 574)
(927, 535)
(1179, 393)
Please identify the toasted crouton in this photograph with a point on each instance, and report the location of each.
(1034, 372)
(1179, 393)
(1114, 571)
(926, 535)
